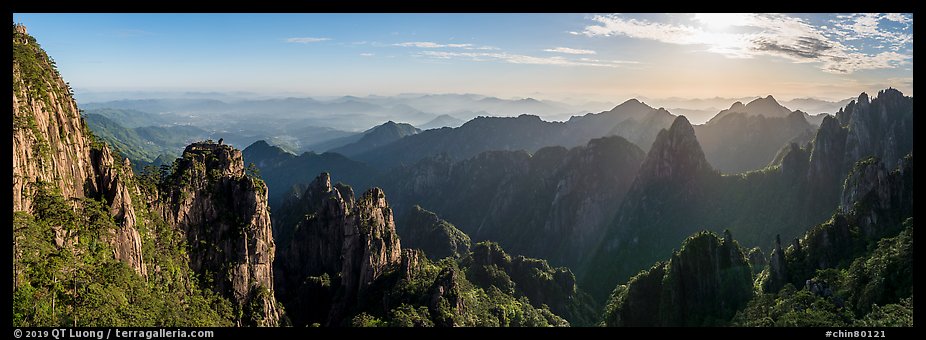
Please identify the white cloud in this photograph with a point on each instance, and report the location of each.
(366, 54)
(305, 40)
(897, 17)
(420, 44)
(868, 26)
(429, 44)
(771, 34)
(523, 59)
(568, 50)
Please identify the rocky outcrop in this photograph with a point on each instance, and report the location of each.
(827, 157)
(436, 237)
(352, 243)
(371, 245)
(876, 197)
(703, 284)
(676, 155)
(882, 127)
(113, 187)
(777, 272)
(52, 145)
(223, 213)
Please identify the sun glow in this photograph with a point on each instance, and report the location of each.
(720, 21)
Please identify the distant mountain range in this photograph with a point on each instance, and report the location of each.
(700, 110)
(347, 113)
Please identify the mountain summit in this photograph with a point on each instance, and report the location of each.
(768, 107)
(676, 154)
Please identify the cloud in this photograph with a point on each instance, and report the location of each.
(523, 59)
(420, 44)
(868, 26)
(901, 18)
(774, 35)
(429, 44)
(568, 50)
(305, 40)
(367, 54)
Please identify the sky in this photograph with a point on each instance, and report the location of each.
(606, 57)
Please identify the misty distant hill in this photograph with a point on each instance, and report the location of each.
(349, 113)
(444, 120)
(378, 136)
(144, 145)
(525, 132)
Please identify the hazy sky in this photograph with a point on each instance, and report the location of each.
(553, 56)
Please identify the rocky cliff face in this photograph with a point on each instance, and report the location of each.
(877, 196)
(882, 127)
(51, 144)
(703, 284)
(223, 213)
(349, 243)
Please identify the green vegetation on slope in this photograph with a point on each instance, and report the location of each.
(703, 284)
(143, 145)
(440, 294)
(65, 273)
(876, 290)
(437, 238)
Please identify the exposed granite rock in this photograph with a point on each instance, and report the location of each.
(882, 127)
(224, 214)
(353, 243)
(777, 269)
(876, 197)
(51, 144)
(371, 245)
(112, 181)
